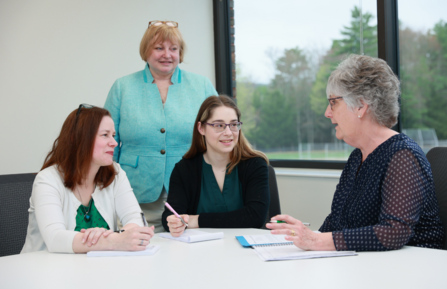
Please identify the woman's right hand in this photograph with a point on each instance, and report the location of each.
(176, 227)
(133, 239)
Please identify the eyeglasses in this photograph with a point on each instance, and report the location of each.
(83, 105)
(158, 23)
(220, 127)
(332, 101)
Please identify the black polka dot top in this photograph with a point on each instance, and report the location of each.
(387, 202)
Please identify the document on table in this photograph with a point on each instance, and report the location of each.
(291, 252)
(192, 236)
(264, 239)
(150, 250)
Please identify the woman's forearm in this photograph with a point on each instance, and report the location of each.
(103, 244)
(193, 221)
(324, 242)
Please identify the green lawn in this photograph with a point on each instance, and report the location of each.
(313, 155)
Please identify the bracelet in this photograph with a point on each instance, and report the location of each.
(119, 231)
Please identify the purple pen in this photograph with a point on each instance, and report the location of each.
(175, 213)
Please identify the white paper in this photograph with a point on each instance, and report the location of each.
(291, 252)
(192, 236)
(150, 250)
(265, 239)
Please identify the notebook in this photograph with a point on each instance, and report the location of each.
(192, 236)
(150, 250)
(266, 239)
(291, 252)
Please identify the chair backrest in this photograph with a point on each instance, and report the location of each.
(15, 191)
(274, 208)
(438, 161)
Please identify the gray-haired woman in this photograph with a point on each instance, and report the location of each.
(385, 198)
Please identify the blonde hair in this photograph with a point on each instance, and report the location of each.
(156, 34)
(242, 151)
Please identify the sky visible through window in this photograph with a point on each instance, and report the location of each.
(285, 51)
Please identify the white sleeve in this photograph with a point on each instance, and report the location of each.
(46, 197)
(127, 207)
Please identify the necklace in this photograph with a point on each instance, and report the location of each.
(87, 216)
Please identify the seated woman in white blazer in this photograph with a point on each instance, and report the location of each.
(79, 192)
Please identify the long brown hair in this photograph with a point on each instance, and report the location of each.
(242, 151)
(72, 150)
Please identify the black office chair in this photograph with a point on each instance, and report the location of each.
(15, 191)
(275, 207)
(438, 161)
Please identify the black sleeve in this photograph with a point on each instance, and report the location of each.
(177, 196)
(403, 195)
(256, 195)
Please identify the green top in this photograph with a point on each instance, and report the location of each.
(212, 200)
(96, 220)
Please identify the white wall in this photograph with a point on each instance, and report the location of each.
(307, 194)
(56, 54)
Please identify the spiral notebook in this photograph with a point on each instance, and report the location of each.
(291, 252)
(259, 240)
(275, 248)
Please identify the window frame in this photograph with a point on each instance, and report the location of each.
(388, 50)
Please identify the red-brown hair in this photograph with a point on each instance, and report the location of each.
(72, 150)
(242, 151)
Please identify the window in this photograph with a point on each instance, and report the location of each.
(423, 71)
(285, 52)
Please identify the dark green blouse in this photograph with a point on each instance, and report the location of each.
(96, 220)
(212, 200)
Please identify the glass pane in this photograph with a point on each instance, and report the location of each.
(285, 53)
(423, 69)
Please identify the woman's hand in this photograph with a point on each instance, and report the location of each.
(300, 235)
(133, 239)
(176, 227)
(92, 235)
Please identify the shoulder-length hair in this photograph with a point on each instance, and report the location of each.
(242, 151)
(156, 34)
(72, 150)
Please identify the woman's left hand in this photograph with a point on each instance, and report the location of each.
(92, 235)
(296, 232)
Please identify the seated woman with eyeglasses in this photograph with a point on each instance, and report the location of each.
(221, 182)
(80, 191)
(385, 198)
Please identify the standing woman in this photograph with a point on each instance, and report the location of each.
(80, 192)
(221, 182)
(153, 110)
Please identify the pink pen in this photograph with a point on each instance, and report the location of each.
(175, 213)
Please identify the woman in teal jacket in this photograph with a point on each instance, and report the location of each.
(154, 111)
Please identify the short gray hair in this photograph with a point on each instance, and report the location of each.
(361, 77)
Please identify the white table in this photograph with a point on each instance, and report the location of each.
(224, 264)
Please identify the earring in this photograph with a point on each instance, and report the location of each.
(360, 116)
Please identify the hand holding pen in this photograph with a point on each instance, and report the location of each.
(295, 231)
(176, 223)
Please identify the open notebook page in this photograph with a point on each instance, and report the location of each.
(191, 236)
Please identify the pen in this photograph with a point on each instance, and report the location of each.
(175, 213)
(144, 219)
(283, 222)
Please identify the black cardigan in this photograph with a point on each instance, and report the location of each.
(185, 187)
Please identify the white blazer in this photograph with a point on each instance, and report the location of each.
(52, 212)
